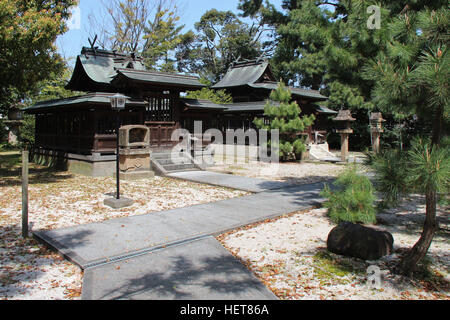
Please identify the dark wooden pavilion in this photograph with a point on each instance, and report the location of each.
(250, 84)
(82, 128)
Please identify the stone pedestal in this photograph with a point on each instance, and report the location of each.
(13, 131)
(345, 134)
(134, 155)
(376, 120)
(344, 120)
(376, 134)
(118, 203)
(134, 164)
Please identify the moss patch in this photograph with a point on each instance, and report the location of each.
(328, 268)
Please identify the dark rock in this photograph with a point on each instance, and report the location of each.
(357, 241)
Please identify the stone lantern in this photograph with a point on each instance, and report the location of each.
(344, 120)
(14, 123)
(376, 128)
(134, 142)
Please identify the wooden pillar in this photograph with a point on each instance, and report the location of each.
(25, 194)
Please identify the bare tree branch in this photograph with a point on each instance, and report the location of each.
(122, 24)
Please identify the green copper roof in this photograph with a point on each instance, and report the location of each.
(87, 100)
(244, 73)
(258, 106)
(306, 93)
(157, 78)
(108, 71)
(254, 106)
(324, 110)
(202, 104)
(258, 75)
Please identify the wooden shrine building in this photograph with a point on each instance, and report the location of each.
(82, 128)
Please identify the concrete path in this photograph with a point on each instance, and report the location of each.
(198, 270)
(96, 243)
(229, 181)
(171, 254)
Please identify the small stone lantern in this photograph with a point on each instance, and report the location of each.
(376, 128)
(344, 120)
(14, 123)
(134, 142)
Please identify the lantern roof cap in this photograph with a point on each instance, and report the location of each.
(377, 116)
(344, 115)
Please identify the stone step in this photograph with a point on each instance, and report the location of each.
(156, 156)
(319, 153)
(178, 167)
(169, 161)
(185, 170)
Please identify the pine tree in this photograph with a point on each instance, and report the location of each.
(283, 114)
(324, 45)
(411, 75)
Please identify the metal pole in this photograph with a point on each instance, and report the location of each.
(118, 157)
(25, 194)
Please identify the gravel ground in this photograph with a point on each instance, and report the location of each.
(28, 271)
(289, 255)
(293, 173)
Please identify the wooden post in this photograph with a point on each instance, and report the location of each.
(25, 194)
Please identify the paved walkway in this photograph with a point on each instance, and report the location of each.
(99, 248)
(229, 181)
(197, 270)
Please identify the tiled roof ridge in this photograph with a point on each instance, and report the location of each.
(156, 73)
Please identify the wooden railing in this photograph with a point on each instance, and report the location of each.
(161, 134)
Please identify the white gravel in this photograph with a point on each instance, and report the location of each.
(289, 255)
(293, 173)
(28, 271)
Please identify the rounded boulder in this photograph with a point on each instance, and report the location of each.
(354, 240)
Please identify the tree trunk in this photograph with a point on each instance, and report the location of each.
(437, 127)
(409, 263)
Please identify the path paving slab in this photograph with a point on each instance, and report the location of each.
(93, 244)
(229, 181)
(199, 270)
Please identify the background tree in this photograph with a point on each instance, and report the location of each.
(121, 27)
(146, 27)
(284, 115)
(220, 39)
(28, 30)
(162, 37)
(216, 96)
(324, 45)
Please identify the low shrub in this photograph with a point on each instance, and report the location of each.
(353, 199)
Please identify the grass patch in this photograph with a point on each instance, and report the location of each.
(10, 160)
(331, 269)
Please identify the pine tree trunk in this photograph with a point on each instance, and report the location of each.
(437, 127)
(409, 263)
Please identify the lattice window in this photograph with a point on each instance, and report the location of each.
(159, 109)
